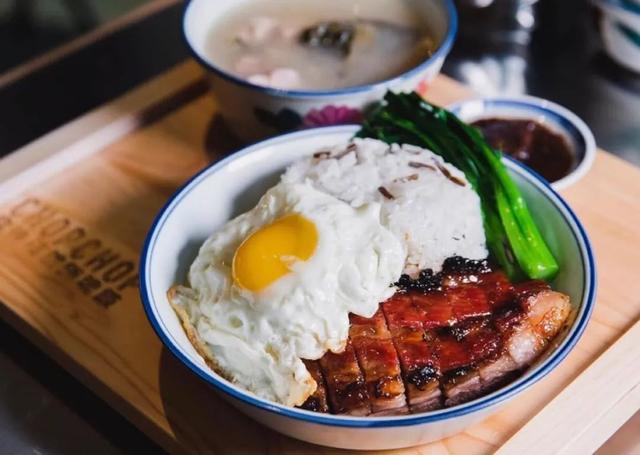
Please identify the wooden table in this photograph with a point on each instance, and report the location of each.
(76, 205)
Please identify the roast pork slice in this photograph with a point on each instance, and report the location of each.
(378, 361)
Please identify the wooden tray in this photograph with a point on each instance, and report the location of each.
(75, 207)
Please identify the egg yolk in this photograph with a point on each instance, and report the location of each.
(267, 254)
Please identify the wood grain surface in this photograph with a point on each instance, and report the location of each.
(70, 245)
(612, 384)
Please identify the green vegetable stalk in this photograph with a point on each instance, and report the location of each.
(513, 238)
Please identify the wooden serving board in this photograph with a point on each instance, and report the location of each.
(76, 206)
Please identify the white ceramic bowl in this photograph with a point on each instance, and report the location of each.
(620, 29)
(233, 185)
(555, 117)
(254, 112)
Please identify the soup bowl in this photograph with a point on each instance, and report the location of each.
(234, 185)
(254, 111)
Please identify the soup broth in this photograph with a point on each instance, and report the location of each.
(327, 44)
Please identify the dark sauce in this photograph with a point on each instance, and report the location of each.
(428, 281)
(422, 376)
(312, 404)
(530, 142)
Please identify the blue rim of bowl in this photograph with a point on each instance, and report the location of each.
(492, 399)
(441, 52)
(567, 120)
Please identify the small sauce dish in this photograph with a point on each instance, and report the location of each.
(550, 129)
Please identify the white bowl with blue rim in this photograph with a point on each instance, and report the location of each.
(620, 30)
(556, 118)
(234, 185)
(254, 112)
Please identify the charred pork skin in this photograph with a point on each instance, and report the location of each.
(441, 340)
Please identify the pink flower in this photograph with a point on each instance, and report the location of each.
(423, 87)
(331, 115)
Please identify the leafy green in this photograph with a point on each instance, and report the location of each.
(513, 238)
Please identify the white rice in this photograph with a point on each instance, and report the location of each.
(436, 215)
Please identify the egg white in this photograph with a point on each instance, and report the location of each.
(259, 338)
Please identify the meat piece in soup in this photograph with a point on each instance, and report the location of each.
(305, 44)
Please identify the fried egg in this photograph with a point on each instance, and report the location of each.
(276, 285)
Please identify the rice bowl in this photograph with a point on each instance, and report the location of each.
(182, 222)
